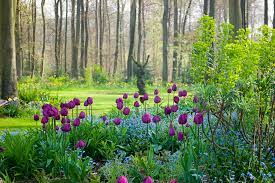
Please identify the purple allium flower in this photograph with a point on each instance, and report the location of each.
(184, 93)
(119, 100)
(174, 108)
(36, 117)
(66, 127)
(172, 131)
(146, 118)
(125, 96)
(80, 144)
(76, 101)
(180, 136)
(169, 90)
(174, 87)
(156, 119)
(62, 105)
(145, 96)
(196, 99)
(119, 105)
(157, 99)
(71, 104)
(136, 95)
(198, 119)
(64, 111)
(122, 179)
(167, 110)
(44, 120)
(46, 106)
(90, 100)
(76, 122)
(136, 104)
(176, 99)
(2, 149)
(173, 181)
(82, 115)
(195, 109)
(117, 121)
(156, 92)
(183, 119)
(65, 120)
(141, 99)
(126, 111)
(104, 118)
(148, 179)
(86, 103)
(57, 117)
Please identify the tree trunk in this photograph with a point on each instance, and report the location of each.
(185, 17)
(97, 34)
(33, 36)
(212, 11)
(139, 31)
(175, 49)
(86, 34)
(101, 32)
(8, 78)
(235, 14)
(18, 41)
(56, 4)
(82, 40)
(74, 66)
(205, 7)
(131, 40)
(108, 64)
(266, 12)
(66, 35)
(165, 42)
(60, 35)
(77, 34)
(44, 39)
(274, 14)
(225, 7)
(117, 37)
(144, 30)
(243, 10)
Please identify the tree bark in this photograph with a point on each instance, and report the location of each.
(33, 36)
(266, 12)
(86, 34)
(185, 17)
(175, 49)
(8, 80)
(18, 41)
(44, 39)
(139, 31)
(212, 11)
(101, 32)
(243, 11)
(65, 41)
(205, 7)
(165, 42)
(97, 34)
(60, 35)
(74, 66)
(235, 14)
(274, 14)
(82, 40)
(56, 53)
(131, 40)
(117, 37)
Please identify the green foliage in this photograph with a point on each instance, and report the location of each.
(99, 75)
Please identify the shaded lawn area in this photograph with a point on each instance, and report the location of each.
(104, 101)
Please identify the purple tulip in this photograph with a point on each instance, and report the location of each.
(156, 119)
(180, 136)
(136, 95)
(184, 93)
(71, 104)
(148, 179)
(198, 119)
(76, 122)
(117, 121)
(172, 131)
(145, 96)
(157, 99)
(80, 144)
(125, 96)
(82, 115)
(104, 118)
(174, 87)
(183, 119)
(66, 127)
(126, 111)
(156, 92)
(169, 90)
(64, 111)
(141, 99)
(90, 100)
(167, 110)
(86, 103)
(196, 99)
(76, 101)
(119, 100)
(44, 120)
(136, 104)
(119, 105)
(146, 118)
(36, 117)
(122, 179)
(57, 117)
(174, 108)
(176, 99)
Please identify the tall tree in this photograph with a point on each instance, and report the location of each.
(74, 66)
(8, 78)
(165, 41)
(65, 39)
(266, 12)
(243, 11)
(117, 37)
(86, 34)
(77, 34)
(44, 39)
(212, 11)
(82, 40)
(18, 40)
(131, 39)
(139, 30)
(235, 14)
(175, 51)
(274, 14)
(56, 44)
(96, 32)
(205, 7)
(33, 36)
(60, 25)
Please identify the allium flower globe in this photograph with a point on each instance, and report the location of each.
(36, 117)
(125, 96)
(174, 87)
(117, 121)
(156, 119)
(172, 131)
(126, 111)
(156, 92)
(44, 120)
(66, 127)
(82, 115)
(64, 111)
(148, 179)
(136, 104)
(80, 144)
(176, 99)
(136, 95)
(180, 136)
(119, 105)
(183, 119)
(198, 119)
(174, 108)
(167, 110)
(122, 179)
(169, 90)
(157, 99)
(76, 122)
(146, 118)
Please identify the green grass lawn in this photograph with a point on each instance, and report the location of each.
(104, 100)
